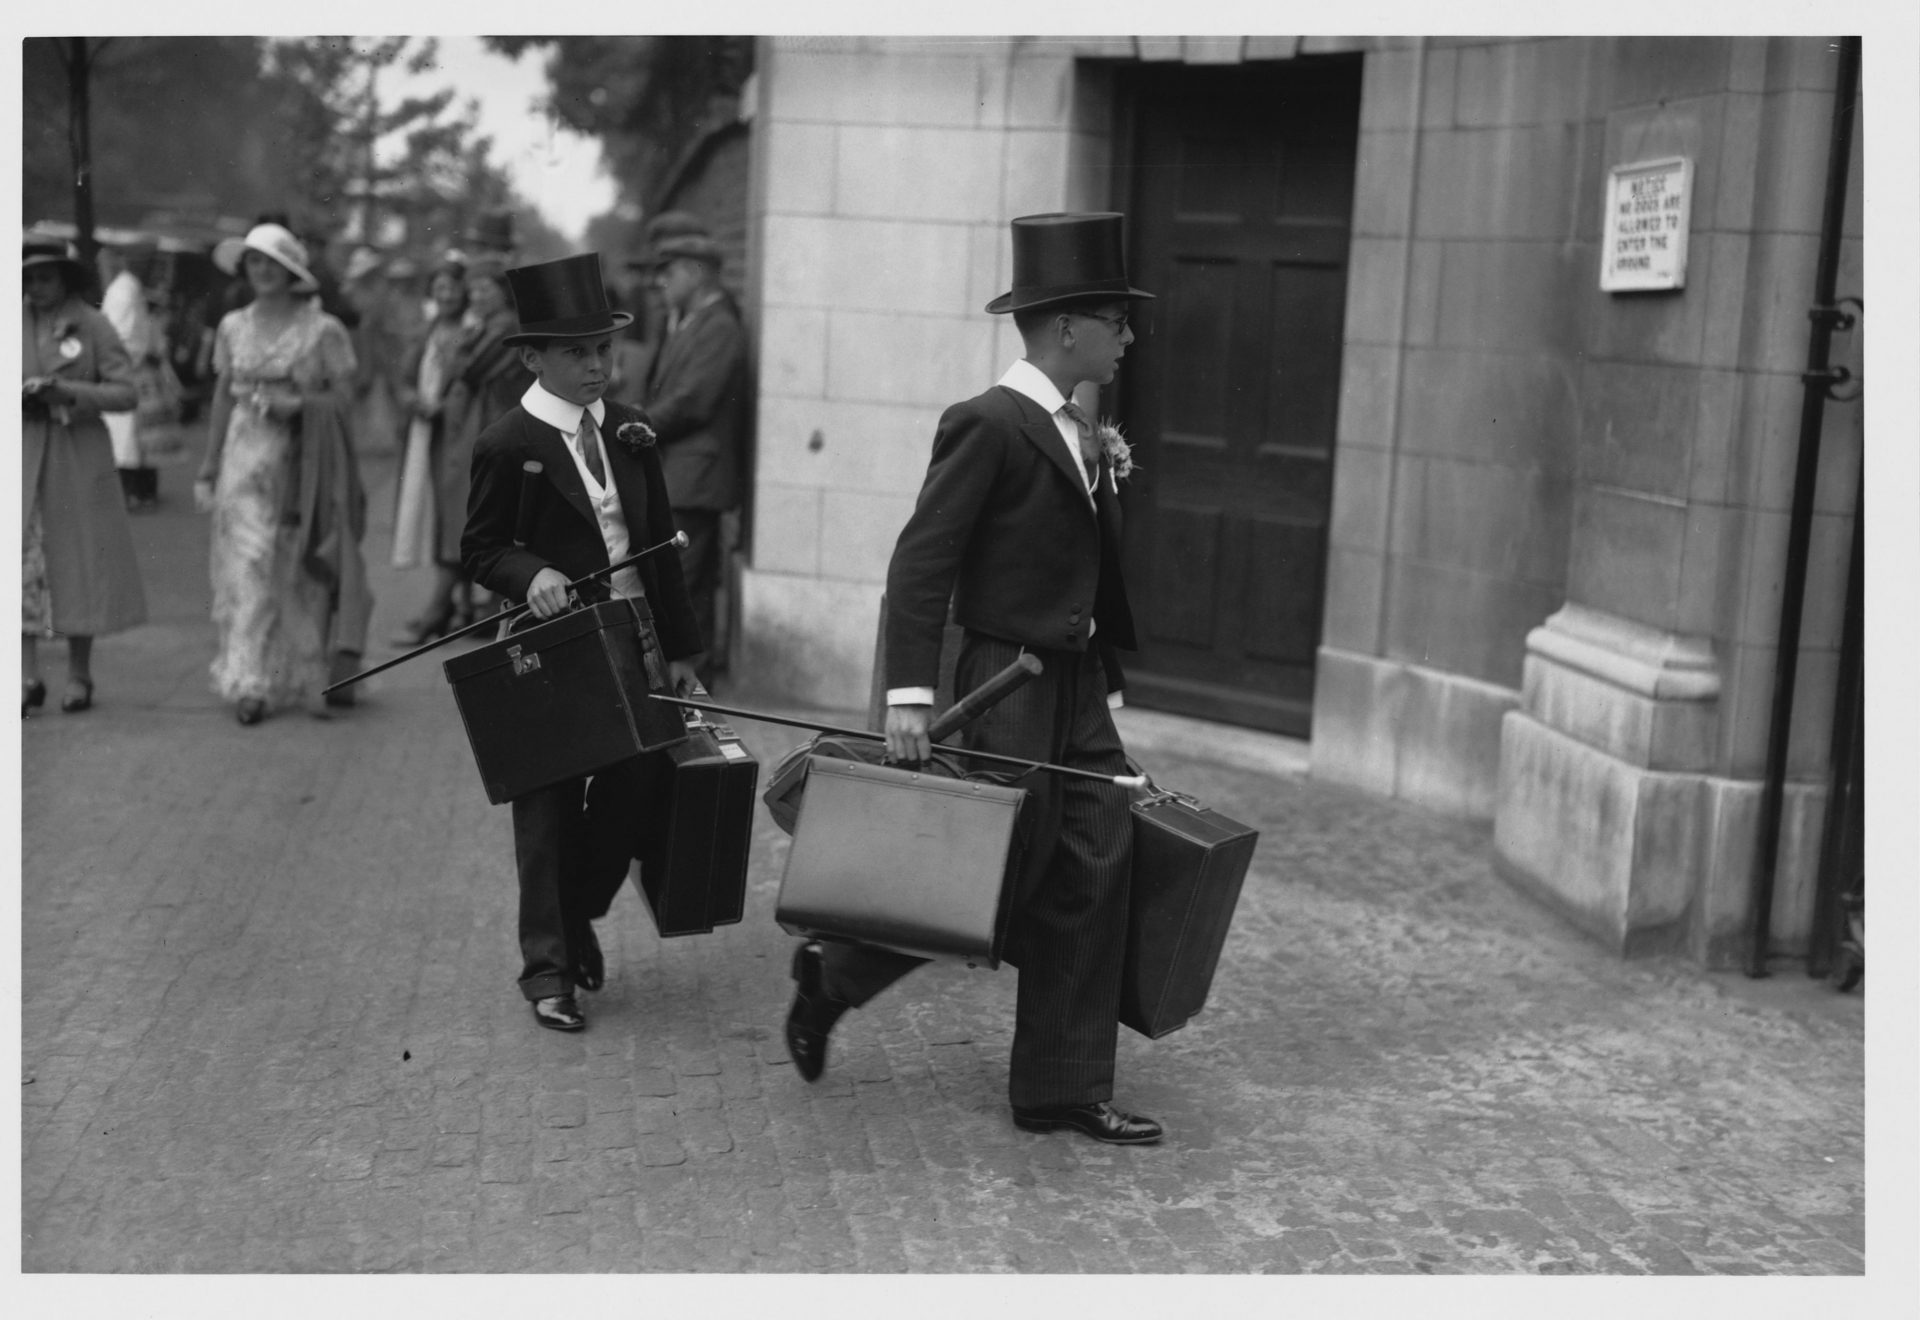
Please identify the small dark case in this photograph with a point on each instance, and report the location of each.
(563, 698)
(1188, 865)
(695, 877)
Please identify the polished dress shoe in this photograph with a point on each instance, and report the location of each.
(590, 969)
(813, 1014)
(1099, 1120)
(79, 696)
(559, 1013)
(250, 710)
(32, 696)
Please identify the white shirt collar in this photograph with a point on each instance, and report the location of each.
(1025, 378)
(558, 413)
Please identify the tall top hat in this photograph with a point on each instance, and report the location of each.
(563, 299)
(1063, 257)
(491, 229)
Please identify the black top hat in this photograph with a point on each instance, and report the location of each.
(563, 299)
(1064, 257)
(492, 229)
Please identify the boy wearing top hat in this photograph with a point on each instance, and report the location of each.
(597, 497)
(1018, 526)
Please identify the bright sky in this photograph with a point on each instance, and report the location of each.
(553, 167)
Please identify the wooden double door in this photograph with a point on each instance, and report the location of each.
(1239, 187)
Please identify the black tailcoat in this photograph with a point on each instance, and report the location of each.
(1004, 528)
(573, 841)
(562, 531)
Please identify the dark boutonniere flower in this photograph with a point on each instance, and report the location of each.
(1114, 445)
(635, 436)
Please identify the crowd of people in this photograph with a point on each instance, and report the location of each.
(297, 376)
(524, 471)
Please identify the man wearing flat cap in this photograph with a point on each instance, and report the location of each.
(593, 496)
(696, 393)
(1017, 527)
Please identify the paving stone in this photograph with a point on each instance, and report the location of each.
(1402, 1068)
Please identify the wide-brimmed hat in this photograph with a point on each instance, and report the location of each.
(666, 225)
(1066, 257)
(696, 247)
(491, 229)
(564, 299)
(52, 250)
(275, 241)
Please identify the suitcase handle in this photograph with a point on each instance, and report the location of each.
(1024, 669)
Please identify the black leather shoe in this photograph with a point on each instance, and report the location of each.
(1100, 1120)
(813, 1013)
(75, 702)
(559, 1013)
(590, 970)
(32, 696)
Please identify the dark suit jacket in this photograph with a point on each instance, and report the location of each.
(696, 393)
(562, 531)
(1003, 527)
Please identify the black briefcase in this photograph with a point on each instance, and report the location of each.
(919, 863)
(694, 876)
(1188, 865)
(564, 698)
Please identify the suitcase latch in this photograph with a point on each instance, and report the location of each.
(523, 664)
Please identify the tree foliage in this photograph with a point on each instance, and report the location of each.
(648, 100)
(212, 127)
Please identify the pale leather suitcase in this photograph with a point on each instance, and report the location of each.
(920, 863)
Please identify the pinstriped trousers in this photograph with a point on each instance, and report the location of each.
(1069, 917)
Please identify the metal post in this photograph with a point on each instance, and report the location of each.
(1817, 379)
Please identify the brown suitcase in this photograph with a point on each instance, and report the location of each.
(563, 698)
(1188, 865)
(920, 863)
(695, 877)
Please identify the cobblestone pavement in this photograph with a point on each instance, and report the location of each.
(270, 1024)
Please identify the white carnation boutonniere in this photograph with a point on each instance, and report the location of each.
(1113, 444)
(67, 336)
(635, 436)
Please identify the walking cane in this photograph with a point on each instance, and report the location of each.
(955, 716)
(677, 541)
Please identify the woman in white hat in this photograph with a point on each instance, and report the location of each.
(80, 576)
(283, 367)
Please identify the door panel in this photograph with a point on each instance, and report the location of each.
(1239, 203)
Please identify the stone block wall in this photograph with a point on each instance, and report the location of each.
(889, 168)
(1475, 230)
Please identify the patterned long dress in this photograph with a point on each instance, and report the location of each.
(269, 614)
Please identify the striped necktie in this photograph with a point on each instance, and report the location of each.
(589, 450)
(1089, 447)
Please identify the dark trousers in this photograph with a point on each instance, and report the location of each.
(700, 566)
(1069, 919)
(572, 844)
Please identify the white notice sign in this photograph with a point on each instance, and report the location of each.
(1645, 246)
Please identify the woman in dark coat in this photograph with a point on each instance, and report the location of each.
(419, 531)
(488, 379)
(80, 575)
